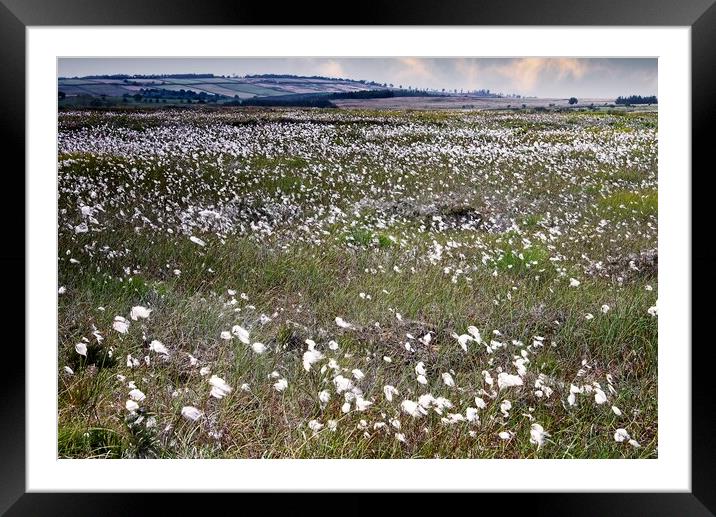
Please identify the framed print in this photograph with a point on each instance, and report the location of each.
(447, 252)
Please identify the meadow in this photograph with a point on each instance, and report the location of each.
(307, 283)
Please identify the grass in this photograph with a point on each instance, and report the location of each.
(624, 202)
(404, 225)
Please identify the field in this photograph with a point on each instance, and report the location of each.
(245, 87)
(248, 283)
(456, 102)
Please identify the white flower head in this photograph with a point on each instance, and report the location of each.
(537, 435)
(315, 426)
(137, 395)
(139, 312)
(191, 413)
(505, 407)
(599, 396)
(120, 324)
(362, 404)
(343, 323)
(241, 333)
(342, 384)
(258, 348)
(621, 435)
(475, 333)
(506, 380)
(310, 357)
(324, 396)
(413, 408)
(280, 385)
(389, 391)
(219, 387)
(158, 347)
(81, 348)
(463, 340)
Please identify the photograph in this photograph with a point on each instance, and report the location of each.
(399, 257)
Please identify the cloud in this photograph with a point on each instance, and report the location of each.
(414, 71)
(469, 72)
(525, 73)
(416, 67)
(331, 69)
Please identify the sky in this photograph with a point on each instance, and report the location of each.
(528, 76)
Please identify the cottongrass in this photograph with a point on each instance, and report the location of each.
(483, 289)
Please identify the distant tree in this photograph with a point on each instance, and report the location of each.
(636, 99)
(61, 95)
(137, 97)
(573, 100)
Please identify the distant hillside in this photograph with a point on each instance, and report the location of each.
(225, 87)
(251, 90)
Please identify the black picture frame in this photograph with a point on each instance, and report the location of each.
(699, 15)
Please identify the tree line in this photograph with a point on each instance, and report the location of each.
(636, 99)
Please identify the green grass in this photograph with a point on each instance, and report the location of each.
(626, 203)
(356, 216)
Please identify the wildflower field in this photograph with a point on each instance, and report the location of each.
(255, 283)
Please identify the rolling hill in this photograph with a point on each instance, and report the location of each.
(224, 87)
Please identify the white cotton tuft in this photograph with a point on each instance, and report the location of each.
(191, 413)
(139, 312)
